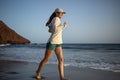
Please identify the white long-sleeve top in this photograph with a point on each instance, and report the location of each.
(56, 28)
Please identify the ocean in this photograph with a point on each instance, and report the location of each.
(96, 56)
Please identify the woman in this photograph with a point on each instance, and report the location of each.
(54, 42)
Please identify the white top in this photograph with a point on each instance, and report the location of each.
(56, 28)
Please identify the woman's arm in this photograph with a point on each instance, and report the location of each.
(57, 26)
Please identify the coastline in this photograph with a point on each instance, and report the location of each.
(17, 70)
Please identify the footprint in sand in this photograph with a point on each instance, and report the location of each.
(12, 72)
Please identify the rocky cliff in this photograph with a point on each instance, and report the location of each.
(8, 35)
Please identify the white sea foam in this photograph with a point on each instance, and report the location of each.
(116, 70)
(4, 45)
(108, 60)
(66, 64)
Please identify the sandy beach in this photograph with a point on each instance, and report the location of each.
(16, 70)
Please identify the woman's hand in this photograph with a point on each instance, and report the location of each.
(65, 23)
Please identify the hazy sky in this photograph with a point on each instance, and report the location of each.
(89, 21)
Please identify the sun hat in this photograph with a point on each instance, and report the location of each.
(59, 10)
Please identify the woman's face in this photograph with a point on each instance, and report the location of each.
(59, 14)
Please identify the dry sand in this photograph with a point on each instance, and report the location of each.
(15, 70)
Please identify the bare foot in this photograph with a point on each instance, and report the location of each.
(39, 77)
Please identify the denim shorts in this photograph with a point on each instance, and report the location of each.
(52, 46)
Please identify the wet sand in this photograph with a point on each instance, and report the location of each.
(15, 70)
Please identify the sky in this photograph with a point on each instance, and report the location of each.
(89, 21)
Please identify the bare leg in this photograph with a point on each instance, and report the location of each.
(60, 58)
(46, 58)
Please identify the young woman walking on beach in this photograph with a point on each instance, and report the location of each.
(54, 42)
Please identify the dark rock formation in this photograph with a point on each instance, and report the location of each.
(8, 35)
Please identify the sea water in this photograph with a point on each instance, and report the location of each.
(97, 56)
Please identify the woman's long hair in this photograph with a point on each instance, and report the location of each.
(50, 19)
